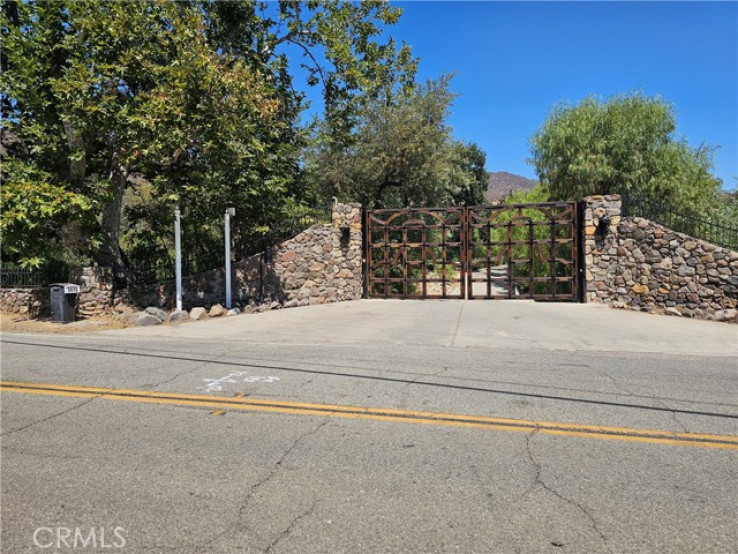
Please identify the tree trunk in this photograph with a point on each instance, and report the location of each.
(110, 254)
(78, 165)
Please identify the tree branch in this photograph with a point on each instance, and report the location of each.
(310, 55)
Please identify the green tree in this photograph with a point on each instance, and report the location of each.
(126, 109)
(470, 175)
(624, 145)
(727, 212)
(401, 154)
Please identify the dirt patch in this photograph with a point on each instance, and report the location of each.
(16, 323)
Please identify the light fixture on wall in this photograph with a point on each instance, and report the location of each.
(603, 226)
(345, 233)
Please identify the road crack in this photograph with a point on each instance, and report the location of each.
(182, 374)
(538, 480)
(284, 534)
(23, 452)
(458, 323)
(414, 380)
(53, 416)
(278, 465)
(655, 399)
(255, 488)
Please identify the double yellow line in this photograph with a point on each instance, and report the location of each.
(223, 403)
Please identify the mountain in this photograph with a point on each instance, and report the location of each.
(501, 183)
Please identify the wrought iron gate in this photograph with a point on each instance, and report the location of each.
(507, 251)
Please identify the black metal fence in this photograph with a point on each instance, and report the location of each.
(714, 231)
(246, 242)
(162, 268)
(16, 276)
(249, 243)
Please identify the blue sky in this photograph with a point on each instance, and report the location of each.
(514, 60)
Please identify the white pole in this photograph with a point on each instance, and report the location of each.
(229, 212)
(178, 258)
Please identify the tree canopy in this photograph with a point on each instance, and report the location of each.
(623, 145)
(122, 110)
(401, 154)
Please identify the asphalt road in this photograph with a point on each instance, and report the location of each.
(376, 427)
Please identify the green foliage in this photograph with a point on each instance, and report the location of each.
(32, 207)
(625, 145)
(127, 109)
(536, 195)
(402, 154)
(469, 174)
(727, 212)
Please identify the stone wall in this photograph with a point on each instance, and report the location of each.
(320, 265)
(323, 264)
(95, 298)
(638, 264)
(33, 302)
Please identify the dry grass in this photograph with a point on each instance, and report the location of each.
(17, 323)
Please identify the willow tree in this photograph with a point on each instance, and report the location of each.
(624, 145)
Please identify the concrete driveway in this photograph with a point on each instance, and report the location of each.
(506, 324)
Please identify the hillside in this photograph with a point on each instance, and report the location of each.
(501, 183)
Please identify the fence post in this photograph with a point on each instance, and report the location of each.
(229, 212)
(178, 258)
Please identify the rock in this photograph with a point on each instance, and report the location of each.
(158, 313)
(145, 319)
(726, 315)
(177, 316)
(129, 318)
(673, 311)
(233, 311)
(196, 314)
(217, 310)
(640, 289)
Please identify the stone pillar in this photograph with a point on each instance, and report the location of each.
(349, 252)
(96, 290)
(600, 245)
(347, 214)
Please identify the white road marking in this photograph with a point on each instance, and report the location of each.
(216, 385)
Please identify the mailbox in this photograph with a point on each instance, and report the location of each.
(63, 302)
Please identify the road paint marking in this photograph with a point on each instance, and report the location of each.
(628, 434)
(218, 413)
(216, 385)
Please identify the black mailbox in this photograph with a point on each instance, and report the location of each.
(63, 302)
